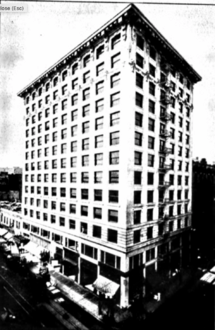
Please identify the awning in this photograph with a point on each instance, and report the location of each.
(212, 269)
(208, 277)
(105, 286)
(3, 231)
(34, 249)
(8, 236)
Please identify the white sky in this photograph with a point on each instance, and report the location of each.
(33, 41)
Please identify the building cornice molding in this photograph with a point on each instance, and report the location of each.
(130, 14)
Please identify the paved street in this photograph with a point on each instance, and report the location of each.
(19, 295)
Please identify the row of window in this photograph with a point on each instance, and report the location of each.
(163, 67)
(115, 42)
(114, 119)
(99, 88)
(97, 212)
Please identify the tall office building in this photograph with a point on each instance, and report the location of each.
(107, 180)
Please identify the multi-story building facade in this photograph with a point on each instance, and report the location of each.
(108, 156)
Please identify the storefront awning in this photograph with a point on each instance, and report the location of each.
(8, 235)
(212, 270)
(3, 231)
(106, 286)
(34, 249)
(208, 277)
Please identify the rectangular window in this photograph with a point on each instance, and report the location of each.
(98, 195)
(99, 87)
(151, 142)
(99, 51)
(114, 177)
(99, 141)
(115, 80)
(64, 89)
(112, 236)
(63, 148)
(85, 127)
(74, 146)
(138, 139)
(99, 123)
(86, 94)
(72, 208)
(84, 211)
(85, 177)
(98, 159)
(152, 53)
(114, 119)
(115, 61)
(151, 106)
(152, 88)
(150, 160)
(73, 193)
(73, 177)
(97, 213)
(151, 125)
(54, 163)
(74, 99)
(114, 138)
(64, 105)
(139, 100)
(97, 231)
(137, 177)
(63, 133)
(73, 161)
(139, 60)
(85, 160)
(113, 196)
(138, 119)
(86, 77)
(115, 41)
(71, 224)
(83, 228)
(64, 119)
(86, 110)
(98, 177)
(99, 105)
(139, 80)
(84, 194)
(74, 68)
(74, 115)
(115, 99)
(136, 236)
(152, 70)
(137, 158)
(114, 158)
(74, 83)
(74, 130)
(140, 42)
(99, 69)
(54, 150)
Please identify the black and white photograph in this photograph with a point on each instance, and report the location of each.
(107, 165)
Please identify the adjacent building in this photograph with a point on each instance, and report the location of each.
(203, 220)
(107, 178)
(10, 184)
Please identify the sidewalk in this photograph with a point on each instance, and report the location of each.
(78, 294)
(89, 302)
